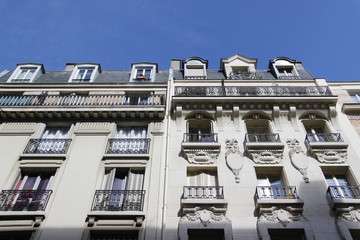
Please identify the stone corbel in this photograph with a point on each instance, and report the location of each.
(265, 156)
(333, 117)
(276, 116)
(236, 116)
(298, 158)
(331, 156)
(219, 111)
(201, 156)
(292, 116)
(178, 115)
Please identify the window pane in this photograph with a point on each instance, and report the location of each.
(88, 74)
(81, 74)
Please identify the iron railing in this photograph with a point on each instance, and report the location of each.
(24, 200)
(200, 137)
(20, 80)
(340, 192)
(244, 75)
(195, 77)
(118, 200)
(128, 146)
(323, 137)
(203, 192)
(47, 146)
(82, 100)
(262, 137)
(276, 192)
(253, 91)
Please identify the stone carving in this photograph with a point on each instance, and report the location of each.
(349, 214)
(298, 158)
(201, 156)
(283, 216)
(234, 159)
(330, 155)
(265, 156)
(205, 215)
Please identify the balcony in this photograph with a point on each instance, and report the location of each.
(268, 196)
(344, 196)
(264, 148)
(47, 146)
(327, 147)
(199, 195)
(83, 106)
(253, 91)
(24, 200)
(245, 75)
(201, 147)
(128, 146)
(118, 200)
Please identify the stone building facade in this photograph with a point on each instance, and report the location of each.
(185, 153)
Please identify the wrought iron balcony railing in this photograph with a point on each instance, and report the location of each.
(262, 137)
(47, 146)
(253, 91)
(323, 137)
(245, 75)
(24, 200)
(128, 146)
(203, 192)
(341, 192)
(202, 137)
(195, 77)
(82, 100)
(118, 200)
(276, 192)
(20, 80)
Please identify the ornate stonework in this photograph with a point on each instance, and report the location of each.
(266, 156)
(204, 215)
(234, 159)
(332, 156)
(201, 156)
(298, 157)
(282, 215)
(350, 214)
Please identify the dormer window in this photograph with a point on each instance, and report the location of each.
(195, 68)
(284, 68)
(25, 73)
(143, 72)
(84, 73)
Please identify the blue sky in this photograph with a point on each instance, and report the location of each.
(323, 34)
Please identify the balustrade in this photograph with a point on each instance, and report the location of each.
(47, 146)
(203, 192)
(24, 200)
(118, 200)
(128, 146)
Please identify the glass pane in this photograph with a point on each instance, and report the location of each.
(88, 74)
(81, 74)
(22, 74)
(147, 73)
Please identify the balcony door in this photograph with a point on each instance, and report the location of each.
(200, 130)
(125, 187)
(202, 184)
(270, 186)
(130, 140)
(339, 187)
(53, 140)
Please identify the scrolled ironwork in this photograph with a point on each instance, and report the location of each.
(253, 91)
(200, 137)
(128, 146)
(47, 146)
(203, 192)
(244, 75)
(24, 200)
(340, 192)
(262, 137)
(276, 192)
(118, 200)
(46, 100)
(323, 137)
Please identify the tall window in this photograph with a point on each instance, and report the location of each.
(339, 186)
(270, 186)
(122, 190)
(131, 132)
(202, 184)
(200, 130)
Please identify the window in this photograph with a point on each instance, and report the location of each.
(285, 70)
(355, 97)
(270, 186)
(195, 68)
(143, 74)
(339, 187)
(122, 190)
(83, 75)
(30, 192)
(25, 75)
(206, 234)
(129, 140)
(200, 129)
(26, 72)
(202, 184)
(286, 234)
(114, 235)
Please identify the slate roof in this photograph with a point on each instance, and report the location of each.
(116, 76)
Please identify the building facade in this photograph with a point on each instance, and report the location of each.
(185, 153)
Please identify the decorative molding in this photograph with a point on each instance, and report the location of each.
(201, 156)
(298, 157)
(233, 157)
(101, 128)
(266, 156)
(282, 215)
(331, 156)
(18, 128)
(349, 214)
(204, 215)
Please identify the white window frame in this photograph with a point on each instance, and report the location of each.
(142, 67)
(14, 78)
(74, 76)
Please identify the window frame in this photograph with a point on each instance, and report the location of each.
(95, 68)
(143, 67)
(14, 78)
